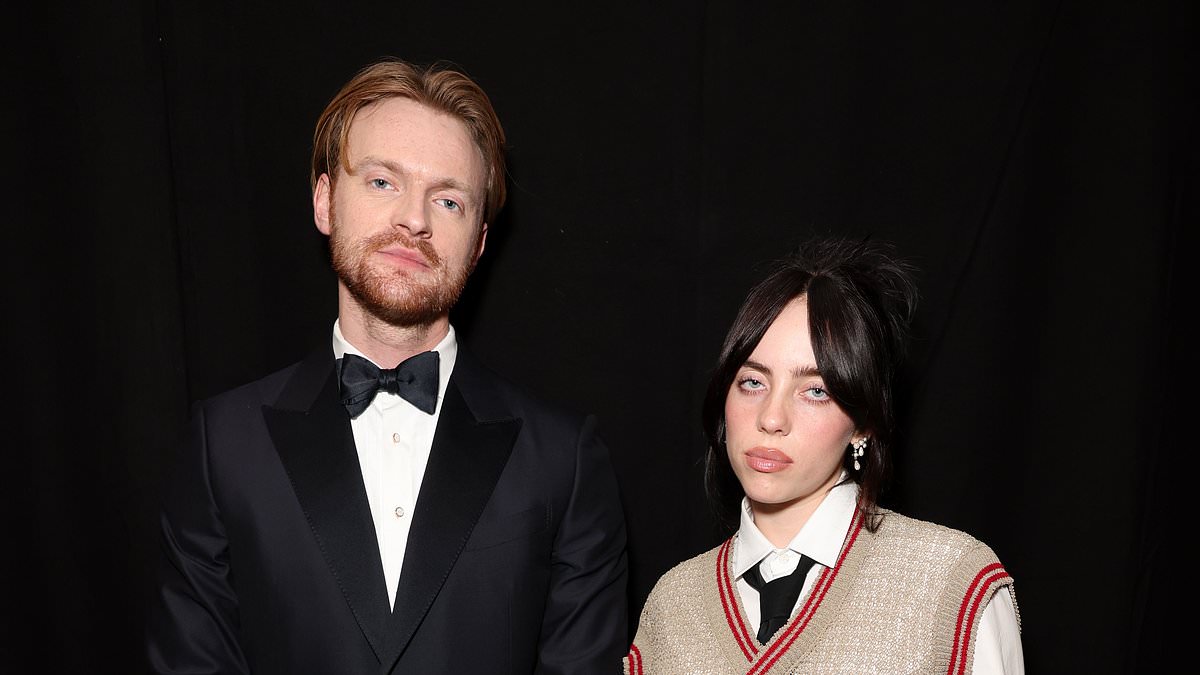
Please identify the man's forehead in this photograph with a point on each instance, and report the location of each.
(401, 111)
(402, 125)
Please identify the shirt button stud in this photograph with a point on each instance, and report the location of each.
(399, 511)
(395, 438)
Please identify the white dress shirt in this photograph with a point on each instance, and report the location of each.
(997, 642)
(393, 439)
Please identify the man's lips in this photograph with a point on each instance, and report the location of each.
(767, 460)
(402, 254)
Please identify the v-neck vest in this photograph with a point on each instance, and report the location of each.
(904, 599)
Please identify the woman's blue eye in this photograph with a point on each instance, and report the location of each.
(750, 383)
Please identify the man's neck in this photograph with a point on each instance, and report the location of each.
(388, 344)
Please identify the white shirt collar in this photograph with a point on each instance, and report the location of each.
(821, 538)
(447, 350)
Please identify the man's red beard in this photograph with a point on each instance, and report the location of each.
(395, 296)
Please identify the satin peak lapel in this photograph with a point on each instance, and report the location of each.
(312, 435)
(465, 463)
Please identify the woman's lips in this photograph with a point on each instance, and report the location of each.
(767, 460)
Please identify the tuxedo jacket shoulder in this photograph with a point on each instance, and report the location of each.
(271, 563)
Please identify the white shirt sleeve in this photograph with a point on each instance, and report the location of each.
(998, 640)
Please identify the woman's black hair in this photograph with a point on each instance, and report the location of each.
(861, 299)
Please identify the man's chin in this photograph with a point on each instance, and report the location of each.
(403, 298)
(402, 309)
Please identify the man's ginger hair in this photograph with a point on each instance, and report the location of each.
(438, 87)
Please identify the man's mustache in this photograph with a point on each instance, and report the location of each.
(387, 239)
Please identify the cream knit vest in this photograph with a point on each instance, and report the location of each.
(905, 599)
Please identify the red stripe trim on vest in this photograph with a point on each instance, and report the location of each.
(793, 630)
(968, 611)
(726, 590)
(634, 659)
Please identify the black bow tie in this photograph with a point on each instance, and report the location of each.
(416, 380)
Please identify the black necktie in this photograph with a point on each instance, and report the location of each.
(777, 598)
(416, 380)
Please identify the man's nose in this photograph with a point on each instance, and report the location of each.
(411, 213)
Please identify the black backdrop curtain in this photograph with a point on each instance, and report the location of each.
(1036, 160)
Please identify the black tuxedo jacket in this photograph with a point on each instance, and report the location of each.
(515, 562)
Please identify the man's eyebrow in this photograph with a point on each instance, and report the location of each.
(370, 161)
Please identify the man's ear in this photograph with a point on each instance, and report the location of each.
(482, 240)
(322, 193)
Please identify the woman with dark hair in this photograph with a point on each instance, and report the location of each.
(818, 577)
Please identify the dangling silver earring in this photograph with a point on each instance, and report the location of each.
(860, 448)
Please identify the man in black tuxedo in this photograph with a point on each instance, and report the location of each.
(343, 517)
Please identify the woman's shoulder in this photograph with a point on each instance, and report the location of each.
(950, 562)
(689, 573)
(704, 562)
(916, 535)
